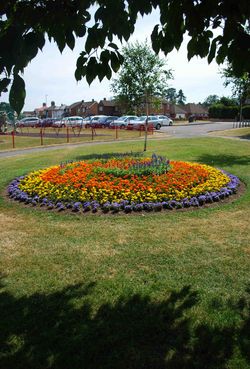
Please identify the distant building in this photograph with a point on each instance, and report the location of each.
(41, 112)
(108, 107)
(178, 112)
(83, 108)
(197, 110)
(27, 114)
(57, 112)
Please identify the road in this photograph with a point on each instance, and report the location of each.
(195, 129)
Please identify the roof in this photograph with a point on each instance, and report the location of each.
(82, 103)
(72, 106)
(108, 102)
(177, 109)
(61, 107)
(195, 109)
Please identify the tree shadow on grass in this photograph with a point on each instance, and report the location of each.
(224, 159)
(109, 155)
(59, 331)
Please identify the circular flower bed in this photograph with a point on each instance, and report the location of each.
(127, 184)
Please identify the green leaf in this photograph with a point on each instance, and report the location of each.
(115, 63)
(70, 40)
(114, 46)
(17, 94)
(91, 70)
(155, 39)
(212, 51)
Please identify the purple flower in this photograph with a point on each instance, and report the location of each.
(115, 207)
(157, 206)
(106, 207)
(202, 199)
(138, 207)
(128, 208)
(194, 201)
(76, 207)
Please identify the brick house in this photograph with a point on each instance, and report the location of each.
(83, 108)
(108, 107)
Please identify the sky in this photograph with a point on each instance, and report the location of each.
(50, 76)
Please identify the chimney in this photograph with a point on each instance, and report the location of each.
(104, 98)
(53, 104)
(93, 100)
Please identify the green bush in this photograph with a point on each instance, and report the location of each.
(221, 111)
(246, 112)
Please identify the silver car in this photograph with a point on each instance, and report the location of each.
(28, 122)
(141, 121)
(164, 120)
(123, 121)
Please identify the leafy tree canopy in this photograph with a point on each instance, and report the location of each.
(171, 95)
(211, 99)
(181, 98)
(24, 24)
(143, 76)
(6, 109)
(240, 85)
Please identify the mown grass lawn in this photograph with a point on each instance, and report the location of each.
(243, 132)
(162, 290)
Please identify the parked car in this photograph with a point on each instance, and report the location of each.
(28, 122)
(123, 121)
(74, 121)
(94, 121)
(105, 121)
(58, 123)
(164, 120)
(141, 121)
(47, 122)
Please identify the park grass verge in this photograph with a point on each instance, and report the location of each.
(243, 132)
(164, 290)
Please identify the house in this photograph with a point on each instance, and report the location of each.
(57, 112)
(165, 107)
(83, 108)
(27, 114)
(177, 112)
(197, 110)
(41, 112)
(108, 107)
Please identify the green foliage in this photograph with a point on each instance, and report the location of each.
(240, 83)
(221, 111)
(171, 95)
(7, 109)
(211, 100)
(157, 166)
(24, 26)
(143, 77)
(181, 98)
(246, 112)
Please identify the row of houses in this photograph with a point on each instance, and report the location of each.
(111, 107)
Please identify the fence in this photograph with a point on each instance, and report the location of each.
(245, 123)
(31, 136)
